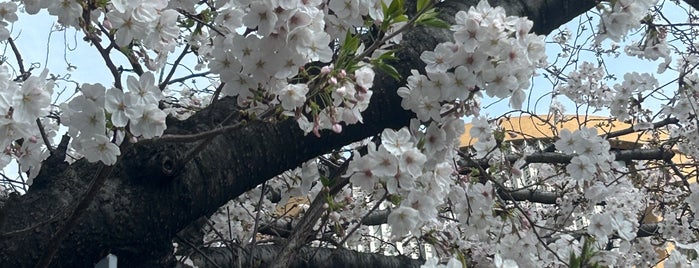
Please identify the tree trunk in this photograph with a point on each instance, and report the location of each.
(150, 194)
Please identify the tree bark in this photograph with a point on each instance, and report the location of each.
(151, 194)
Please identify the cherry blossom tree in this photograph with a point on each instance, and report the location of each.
(357, 107)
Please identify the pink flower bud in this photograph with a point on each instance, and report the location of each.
(342, 73)
(107, 24)
(325, 70)
(337, 128)
(316, 131)
(333, 80)
(316, 124)
(33, 139)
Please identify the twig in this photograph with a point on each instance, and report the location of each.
(217, 93)
(301, 232)
(662, 123)
(134, 62)
(198, 136)
(257, 221)
(225, 241)
(195, 248)
(184, 78)
(174, 67)
(23, 73)
(27, 229)
(105, 55)
(43, 135)
(376, 206)
(210, 135)
(195, 18)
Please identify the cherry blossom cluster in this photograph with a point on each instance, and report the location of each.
(137, 107)
(624, 102)
(586, 85)
(287, 36)
(684, 108)
(491, 51)
(68, 12)
(21, 103)
(414, 166)
(591, 169)
(620, 16)
(8, 14)
(589, 179)
(653, 47)
(350, 96)
(151, 24)
(148, 23)
(482, 131)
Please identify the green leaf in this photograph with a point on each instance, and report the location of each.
(325, 180)
(429, 18)
(384, 9)
(388, 56)
(387, 68)
(421, 4)
(396, 9)
(574, 261)
(347, 51)
(351, 43)
(400, 18)
(395, 199)
(437, 23)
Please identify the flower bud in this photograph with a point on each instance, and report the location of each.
(107, 24)
(325, 70)
(316, 131)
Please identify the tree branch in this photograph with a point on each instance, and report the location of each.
(560, 158)
(165, 82)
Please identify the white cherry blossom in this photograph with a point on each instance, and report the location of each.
(396, 142)
(99, 148)
(33, 98)
(403, 221)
